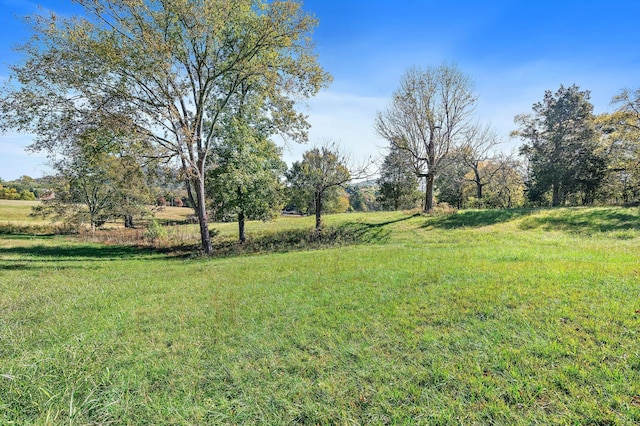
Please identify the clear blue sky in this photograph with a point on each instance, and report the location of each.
(513, 50)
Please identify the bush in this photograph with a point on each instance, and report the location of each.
(155, 232)
(27, 196)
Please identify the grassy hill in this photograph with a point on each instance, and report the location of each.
(481, 317)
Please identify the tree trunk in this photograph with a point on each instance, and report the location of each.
(428, 194)
(128, 221)
(241, 235)
(318, 202)
(555, 199)
(478, 184)
(203, 218)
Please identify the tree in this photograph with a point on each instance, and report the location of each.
(97, 182)
(245, 180)
(133, 189)
(85, 192)
(398, 184)
(507, 185)
(427, 118)
(452, 184)
(164, 71)
(562, 147)
(476, 154)
(620, 138)
(357, 201)
(317, 179)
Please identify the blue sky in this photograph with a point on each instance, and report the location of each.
(513, 50)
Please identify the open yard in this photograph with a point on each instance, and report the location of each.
(481, 317)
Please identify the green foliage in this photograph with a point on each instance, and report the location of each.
(363, 197)
(562, 148)
(155, 232)
(10, 191)
(370, 196)
(28, 196)
(461, 186)
(398, 183)
(316, 181)
(515, 317)
(97, 182)
(165, 73)
(452, 185)
(620, 142)
(244, 180)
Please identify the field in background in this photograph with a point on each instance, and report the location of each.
(17, 211)
(481, 317)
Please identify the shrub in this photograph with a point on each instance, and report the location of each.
(155, 232)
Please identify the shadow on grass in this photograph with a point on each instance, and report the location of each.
(475, 218)
(25, 231)
(42, 253)
(346, 234)
(39, 265)
(585, 220)
(284, 241)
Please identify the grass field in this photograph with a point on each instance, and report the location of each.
(481, 317)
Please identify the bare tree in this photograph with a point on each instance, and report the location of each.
(478, 149)
(428, 117)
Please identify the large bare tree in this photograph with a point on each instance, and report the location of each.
(427, 117)
(164, 71)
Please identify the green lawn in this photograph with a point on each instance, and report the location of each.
(482, 317)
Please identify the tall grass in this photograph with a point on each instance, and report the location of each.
(515, 317)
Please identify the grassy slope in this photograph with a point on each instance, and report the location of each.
(510, 317)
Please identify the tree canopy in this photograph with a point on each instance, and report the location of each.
(561, 147)
(620, 134)
(316, 179)
(163, 72)
(244, 181)
(427, 117)
(397, 184)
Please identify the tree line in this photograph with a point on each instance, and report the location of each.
(570, 156)
(139, 94)
(24, 188)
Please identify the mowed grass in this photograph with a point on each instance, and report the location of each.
(482, 317)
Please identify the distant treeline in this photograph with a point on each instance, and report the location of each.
(24, 188)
